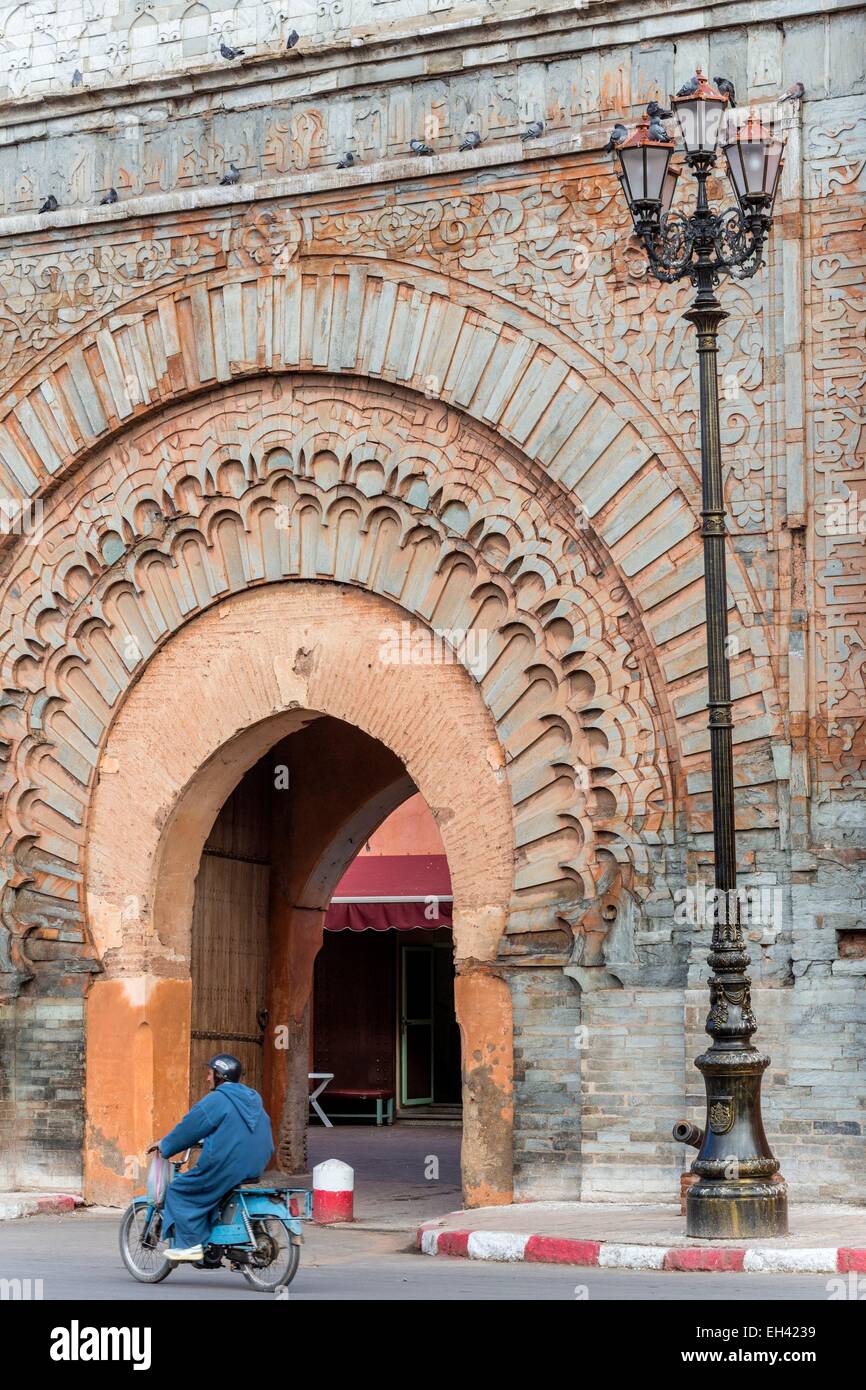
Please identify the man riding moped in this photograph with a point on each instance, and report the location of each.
(232, 1126)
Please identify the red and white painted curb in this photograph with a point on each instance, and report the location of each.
(16, 1204)
(707, 1259)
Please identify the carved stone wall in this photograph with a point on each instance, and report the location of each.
(450, 383)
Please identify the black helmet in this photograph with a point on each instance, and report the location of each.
(225, 1067)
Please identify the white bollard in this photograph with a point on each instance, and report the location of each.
(333, 1192)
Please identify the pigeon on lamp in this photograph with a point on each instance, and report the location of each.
(727, 89)
(794, 93)
(470, 141)
(77, 78)
(347, 161)
(232, 176)
(689, 88)
(616, 137)
(292, 39)
(229, 53)
(418, 147)
(533, 131)
(110, 197)
(50, 205)
(658, 132)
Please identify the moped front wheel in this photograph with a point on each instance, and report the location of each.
(141, 1245)
(276, 1252)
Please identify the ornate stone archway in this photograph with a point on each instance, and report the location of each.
(364, 487)
(510, 503)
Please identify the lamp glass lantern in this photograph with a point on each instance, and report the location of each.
(644, 165)
(754, 159)
(700, 116)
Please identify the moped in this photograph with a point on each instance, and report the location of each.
(256, 1230)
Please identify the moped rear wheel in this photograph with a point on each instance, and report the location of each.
(146, 1262)
(273, 1240)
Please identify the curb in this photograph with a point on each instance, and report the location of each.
(24, 1204)
(705, 1259)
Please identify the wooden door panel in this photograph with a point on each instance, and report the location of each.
(229, 965)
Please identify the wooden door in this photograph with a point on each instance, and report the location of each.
(230, 936)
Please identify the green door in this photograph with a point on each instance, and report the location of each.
(416, 1026)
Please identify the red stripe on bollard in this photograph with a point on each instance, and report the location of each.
(333, 1206)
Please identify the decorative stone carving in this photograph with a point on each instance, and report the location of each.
(356, 487)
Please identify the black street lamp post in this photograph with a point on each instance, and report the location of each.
(739, 1191)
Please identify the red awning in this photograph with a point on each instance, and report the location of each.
(401, 892)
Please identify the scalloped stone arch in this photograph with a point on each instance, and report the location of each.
(449, 340)
(319, 485)
(587, 440)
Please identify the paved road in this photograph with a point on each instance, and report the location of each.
(76, 1257)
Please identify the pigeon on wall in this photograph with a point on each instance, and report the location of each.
(418, 147)
(110, 197)
(794, 93)
(50, 205)
(471, 141)
(292, 39)
(533, 130)
(229, 53)
(347, 161)
(616, 137)
(232, 176)
(727, 89)
(658, 113)
(77, 78)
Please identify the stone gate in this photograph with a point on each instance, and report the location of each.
(250, 433)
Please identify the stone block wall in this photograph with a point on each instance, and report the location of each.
(41, 1093)
(638, 1077)
(632, 1084)
(813, 1091)
(547, 1100)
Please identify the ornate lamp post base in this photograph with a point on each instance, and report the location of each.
(739, 1192)
(737, 1210)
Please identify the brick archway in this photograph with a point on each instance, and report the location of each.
(205, 709)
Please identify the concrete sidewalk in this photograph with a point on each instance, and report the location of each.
(822, 1238)
(405, 1174)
